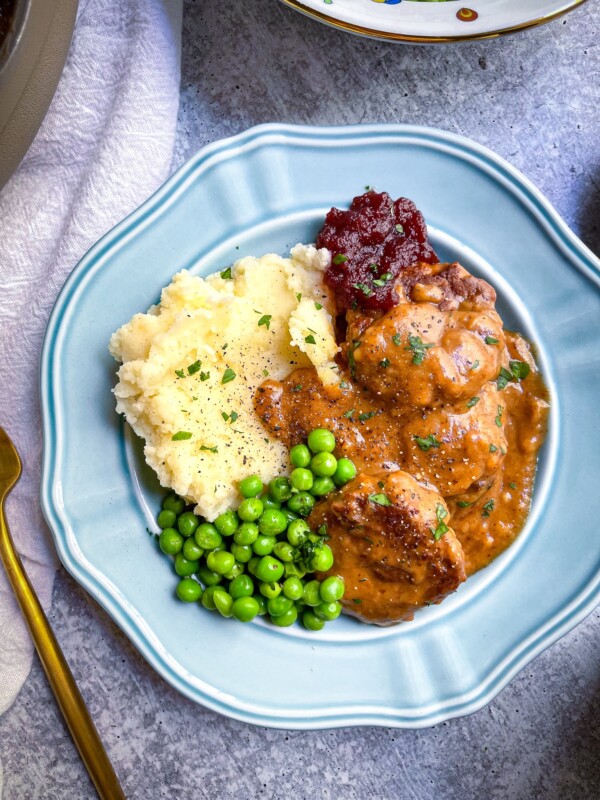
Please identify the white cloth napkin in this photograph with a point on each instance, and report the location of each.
(106, 144)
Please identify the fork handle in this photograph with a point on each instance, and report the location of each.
(59, 675)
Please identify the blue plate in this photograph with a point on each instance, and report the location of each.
(263, 191)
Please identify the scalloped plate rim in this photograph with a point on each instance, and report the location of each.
(556, 625)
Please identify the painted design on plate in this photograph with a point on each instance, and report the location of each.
(463, 14)
(466, 15)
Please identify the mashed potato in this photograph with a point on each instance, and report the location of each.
(191, 365)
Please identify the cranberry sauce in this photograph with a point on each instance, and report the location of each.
(370, 244)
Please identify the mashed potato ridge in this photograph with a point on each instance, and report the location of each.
(191, 365)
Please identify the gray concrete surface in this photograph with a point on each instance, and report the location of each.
(534, 99)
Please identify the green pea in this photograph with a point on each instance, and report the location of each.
(280, 489)
(227, 523)
(191, 550)
(331, 589)
(207, 576)
(264, 545)
(250, 509)
(246, 533)
(300, 605)
(166, 518)
(322, 559)
(300, 455)
(271, 522)
(293, 588)
(173, 502)
(324, 465)
(312, 622)
(242, 552)
(220, 561)
(321, 441)
(236, 570)
(251, 486)
(242, 586)
(344, 471)
(279, 605)
(207, 536)
(301, 479)
(183, 567)
(262, 604)
(284, 551)
(322, 486)
(253, 564)
(311, 595)
(291, 570)
(268, 502)
(187, 523)
(301, 503)
(245, 609)
(289, 515)
(189, 590)
(223, 601)
(270, 590)
(286, 619)
(297, 532)
(269, 569)
(207, 598)
(170, 541)
(328, 611)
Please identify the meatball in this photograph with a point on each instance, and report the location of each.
(454, 447)
(440, 344)
(392, 546)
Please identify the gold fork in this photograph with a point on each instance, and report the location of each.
(59, 675)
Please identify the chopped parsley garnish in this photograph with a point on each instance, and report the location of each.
(464, 504)
(195, 367)
(351, 350)
(475, 364)
(441, 528)
(493, 448)
(210, 449)
(366, 415)
(357, 600)
(472, 402)
(180, 373)
(380, 499)
(498, 419)
(512, 485)
(266, 373)
(427, 442)
(362, 287)
(310, 339)
(226, 274)
(503, 378)
(265, 320)
(399, 228)
(491, 340)
(519, 370)
(297, 387)
(204, 376)
(383, 279)
(231, 417)
(385, 362)
(318, 306)
(418, 347)
(180, 436)
(299, 296)
(344, 385)
(488, 508)
(349, 414)
(340, 258)
(228, 375)
(396, 339)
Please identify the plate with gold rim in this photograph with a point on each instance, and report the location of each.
(433, 21)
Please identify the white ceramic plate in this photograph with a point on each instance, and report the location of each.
(431, 21)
